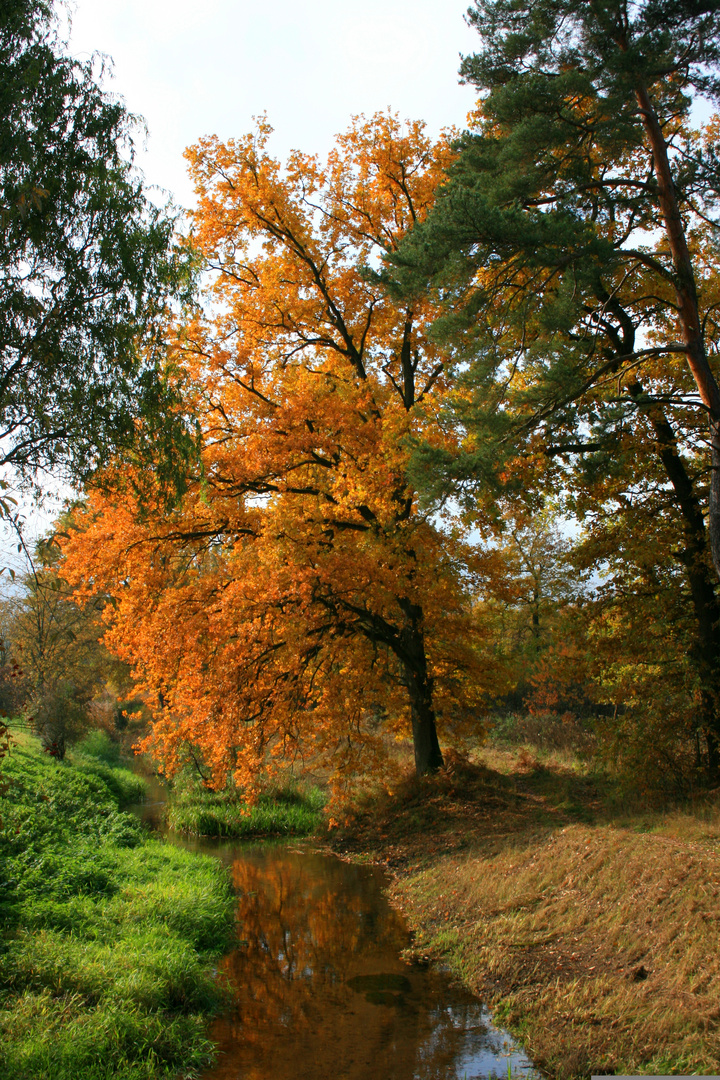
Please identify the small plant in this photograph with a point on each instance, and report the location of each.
(98, 744)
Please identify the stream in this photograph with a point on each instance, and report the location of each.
(321, 990)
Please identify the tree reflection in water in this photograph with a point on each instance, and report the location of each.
(322, 992)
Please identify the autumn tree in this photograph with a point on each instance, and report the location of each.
(298, 601)
(532, 580)
(636, 645)
(574, 248)
(57, 664)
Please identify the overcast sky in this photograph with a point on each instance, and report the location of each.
(193, 69)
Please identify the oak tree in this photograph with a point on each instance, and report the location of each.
(298, 601)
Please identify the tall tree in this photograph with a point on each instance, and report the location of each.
(298, 601)
(575, 248)
(87, 264)
(531, 582)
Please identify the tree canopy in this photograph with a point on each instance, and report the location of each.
(87, 265)
(523, 315)
(298, 602)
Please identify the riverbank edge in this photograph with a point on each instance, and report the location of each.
(592, 939)
(117, 973)
(290, 810)
(428, 946)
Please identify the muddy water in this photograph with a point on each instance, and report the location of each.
(321, 990)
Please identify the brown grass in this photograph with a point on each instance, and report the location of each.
(586, 919)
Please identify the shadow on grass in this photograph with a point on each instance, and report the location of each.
(473, 804)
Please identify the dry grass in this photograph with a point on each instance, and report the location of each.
(587, 920)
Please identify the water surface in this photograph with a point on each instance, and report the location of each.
(321, 991)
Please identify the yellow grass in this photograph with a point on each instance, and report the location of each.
(589, 923)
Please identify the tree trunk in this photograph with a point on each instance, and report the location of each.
(695, 558)
(428, 756)
(413, 661)
(688, 310)
(713, 745)
(52, 739)
(714, 500)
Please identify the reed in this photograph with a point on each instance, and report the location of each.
(290, 809)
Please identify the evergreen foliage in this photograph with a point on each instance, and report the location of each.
(574, 250)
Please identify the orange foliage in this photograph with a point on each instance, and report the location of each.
(298, 601)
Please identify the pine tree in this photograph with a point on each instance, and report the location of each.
(574, 248)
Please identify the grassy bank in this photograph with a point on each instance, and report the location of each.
(587, 921)
(289, 810)
(108, 937)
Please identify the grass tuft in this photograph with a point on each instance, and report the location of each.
(282, 810)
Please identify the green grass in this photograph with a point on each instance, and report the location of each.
(290, 810)
(97, 755)
(109, 937)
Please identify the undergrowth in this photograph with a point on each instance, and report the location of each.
(108, 936)
(287, 810)
(97, 755)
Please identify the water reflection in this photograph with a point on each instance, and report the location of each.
(322, 992)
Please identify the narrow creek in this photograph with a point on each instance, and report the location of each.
(321, 990)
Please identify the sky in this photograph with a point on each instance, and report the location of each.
(193, 69)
